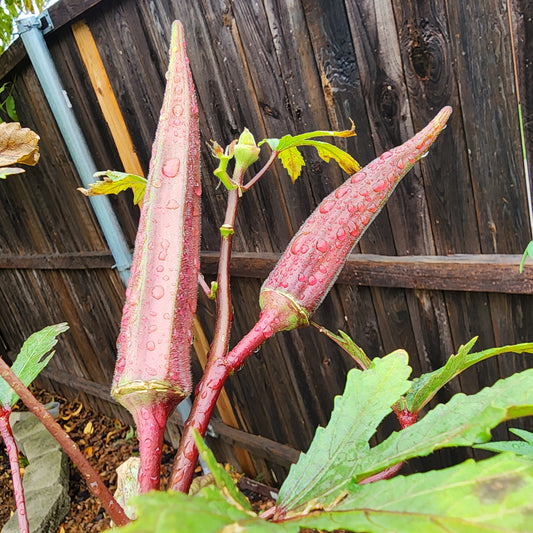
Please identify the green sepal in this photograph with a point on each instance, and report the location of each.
(224, 156)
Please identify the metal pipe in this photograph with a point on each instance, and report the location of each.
(29, 29)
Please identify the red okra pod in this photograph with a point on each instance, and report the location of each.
(316, 254)
(152, 373)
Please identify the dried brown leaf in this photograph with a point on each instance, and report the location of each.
(18, 145)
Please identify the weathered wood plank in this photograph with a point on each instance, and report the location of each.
(266, 448)
(461, 272)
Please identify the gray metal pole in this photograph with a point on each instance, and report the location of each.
(29, 29)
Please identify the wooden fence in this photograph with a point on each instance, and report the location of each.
(438, 266)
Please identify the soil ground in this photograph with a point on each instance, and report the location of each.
(107, 443)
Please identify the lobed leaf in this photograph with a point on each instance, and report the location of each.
(33, 357)
(488, 496)
(463, 421)
(325, 470)
(291, 157)
(115, 182)
(426, 386)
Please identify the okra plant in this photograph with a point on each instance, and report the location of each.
(341, 482)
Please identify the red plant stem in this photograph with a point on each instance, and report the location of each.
(12, 451)
(384, 474)
(219, 345)
(94, 481)
(216, 372)
(260, 174)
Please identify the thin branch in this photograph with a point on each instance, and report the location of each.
(94, 481)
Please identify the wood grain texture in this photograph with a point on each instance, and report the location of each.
(288, 67)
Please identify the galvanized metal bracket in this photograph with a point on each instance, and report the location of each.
(45, 22)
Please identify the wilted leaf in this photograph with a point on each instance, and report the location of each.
(485, 497)
(18, 145)
(115, 182)
(325, 470)
(33, 357)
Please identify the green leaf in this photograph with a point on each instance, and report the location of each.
(33, 357)
(519, 447)
(207, 512)
(292, 160)
(528, 252)
(485, 497)
(326, 469)
(10, 108)
(222, 479)
(115, 182)
(463, 421)
(426, 386)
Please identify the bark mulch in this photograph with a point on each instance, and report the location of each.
(107, 443)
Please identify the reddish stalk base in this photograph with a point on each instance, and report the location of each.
(12, 451)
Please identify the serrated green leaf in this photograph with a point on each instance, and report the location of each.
(485, 497)
(519, 447)
(33, 357)
(115, 182)
(326, 469)
(463, 421)
(222, 479)
(426, 386)
(292, 160)
(207, 512)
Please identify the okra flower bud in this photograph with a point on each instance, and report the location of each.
(316, 254)
(152, 373)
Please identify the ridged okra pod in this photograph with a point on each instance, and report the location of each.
(316, 254)
(152, 373)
